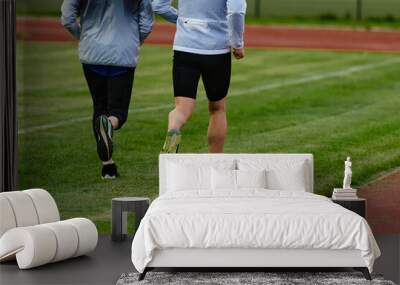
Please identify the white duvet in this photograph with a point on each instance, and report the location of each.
(250, 219)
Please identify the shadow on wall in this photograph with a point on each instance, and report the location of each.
(383, 203)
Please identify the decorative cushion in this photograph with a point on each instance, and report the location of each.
(27, 208)
(46, 207)
(7, 220)
(251, 179)
(226, 179)
(223, 179)
(32, 246)
(292, 179)
(192, 173)
(67, 239)
(188, 177)
(281, 174)
(87, 233)
(23, 208)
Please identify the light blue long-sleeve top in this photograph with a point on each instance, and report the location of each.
(205, 26)
(109, 31)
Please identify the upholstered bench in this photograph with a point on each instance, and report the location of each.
(31, 231)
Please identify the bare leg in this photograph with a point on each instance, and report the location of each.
(182, 112)
(217, 127)
(177, 118)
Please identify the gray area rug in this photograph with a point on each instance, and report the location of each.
(244, 278)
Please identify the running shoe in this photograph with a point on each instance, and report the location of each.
(109, 171)
(172, 142)
(104, 134)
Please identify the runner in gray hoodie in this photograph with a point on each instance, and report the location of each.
(207, 31)
(109, 33)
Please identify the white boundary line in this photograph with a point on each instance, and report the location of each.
(254, 90)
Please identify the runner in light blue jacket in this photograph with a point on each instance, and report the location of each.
(206, 32)
(110, 33)
(205, 26)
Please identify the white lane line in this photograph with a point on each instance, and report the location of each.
(87, 118)
(312, 78)
(254, 90)
(79, 85)
(33, 54)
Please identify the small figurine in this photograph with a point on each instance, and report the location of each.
(347, 174)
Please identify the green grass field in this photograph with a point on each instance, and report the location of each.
(331, 104)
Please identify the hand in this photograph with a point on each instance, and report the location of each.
(238, 53)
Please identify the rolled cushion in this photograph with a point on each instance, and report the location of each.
(23, 208)
(26, 208)
(67, 240)
(7, 218)
(37, 245)
(87, 234)
(46, 207)
(32, 246)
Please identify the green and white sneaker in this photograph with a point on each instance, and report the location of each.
(104, 134)
(172, 142)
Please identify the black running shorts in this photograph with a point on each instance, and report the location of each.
(215, 71)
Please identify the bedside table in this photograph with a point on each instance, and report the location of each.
(357, 205)
(120, 207)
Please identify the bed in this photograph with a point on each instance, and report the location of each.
(247, 211)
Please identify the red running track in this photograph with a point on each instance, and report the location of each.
(47, 29)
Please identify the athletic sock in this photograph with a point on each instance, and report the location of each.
(172, 132)
(172, 141)
(108, 162)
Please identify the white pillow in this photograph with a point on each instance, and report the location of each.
(251, 178)
(292, 179)
(281, 174)
(188, 177)
(227, 179)
(223, 179)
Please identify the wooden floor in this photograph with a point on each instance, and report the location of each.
(110, 260)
